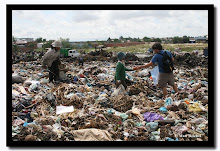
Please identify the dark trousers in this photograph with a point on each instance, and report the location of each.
(125, 83)
(80, 61)
(54, 74)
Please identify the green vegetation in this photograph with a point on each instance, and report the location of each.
(39, 49)
(144, 47)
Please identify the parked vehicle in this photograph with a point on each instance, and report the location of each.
(73, 53)
(68, 52)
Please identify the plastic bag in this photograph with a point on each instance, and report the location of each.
(120, 90)
(143, 73)
(150, 117)
(155, 74)
(152, 126)
(102, 76)
(194, 108)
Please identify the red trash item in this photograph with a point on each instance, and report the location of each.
(82, 76)
(187, 102)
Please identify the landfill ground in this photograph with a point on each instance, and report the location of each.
(86, 106)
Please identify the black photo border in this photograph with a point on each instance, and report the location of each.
(125, 144)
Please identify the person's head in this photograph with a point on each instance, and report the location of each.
(56, 45)
(157, 47)
(121, 56)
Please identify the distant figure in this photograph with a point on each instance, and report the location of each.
(197, 52)
(51, 59)
(80, 61)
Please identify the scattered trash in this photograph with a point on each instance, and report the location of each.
(86, 106)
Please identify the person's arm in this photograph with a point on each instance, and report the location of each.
(144, 66)
(128, 69)
(171, 57)
(45, 60)
(58, 60)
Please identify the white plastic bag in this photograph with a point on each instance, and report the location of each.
(143, 73)
(155, 74)
(102, 76)
(119, 90)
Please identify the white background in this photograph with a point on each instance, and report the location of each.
(3, 63)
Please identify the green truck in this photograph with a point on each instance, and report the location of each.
(64, 52)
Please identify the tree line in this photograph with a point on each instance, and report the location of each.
(121, 39)
(176, 39)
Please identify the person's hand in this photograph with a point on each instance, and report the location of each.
(136, 68)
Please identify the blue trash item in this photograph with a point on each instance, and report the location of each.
(169, 101)
(170, 139)
(163, 109)
(89, 84)
(110, 111)
(75, 79)
(204, 83)
(184, 83)
(26, 123)
(173, 91)
(155, 74)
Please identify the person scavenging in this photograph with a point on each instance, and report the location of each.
(165, 63)
(120, 71)
(51, 60)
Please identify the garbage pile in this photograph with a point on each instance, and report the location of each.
(190, 60)
(26, 56)
(88, 107)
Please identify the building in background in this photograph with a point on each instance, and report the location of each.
(25, 39)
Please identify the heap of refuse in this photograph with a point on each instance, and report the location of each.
(86, 106)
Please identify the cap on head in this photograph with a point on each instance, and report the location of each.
(120, 55)
(57, 44)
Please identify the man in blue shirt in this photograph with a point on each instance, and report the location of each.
(164, 78)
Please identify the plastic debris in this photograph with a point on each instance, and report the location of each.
(163, 109)
(91, 135)
(64, 109)
(149, 117)
(93, 109)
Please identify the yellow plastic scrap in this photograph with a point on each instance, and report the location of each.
(194, 108)
(105, 95)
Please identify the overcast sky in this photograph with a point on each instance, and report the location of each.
(83, 25)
